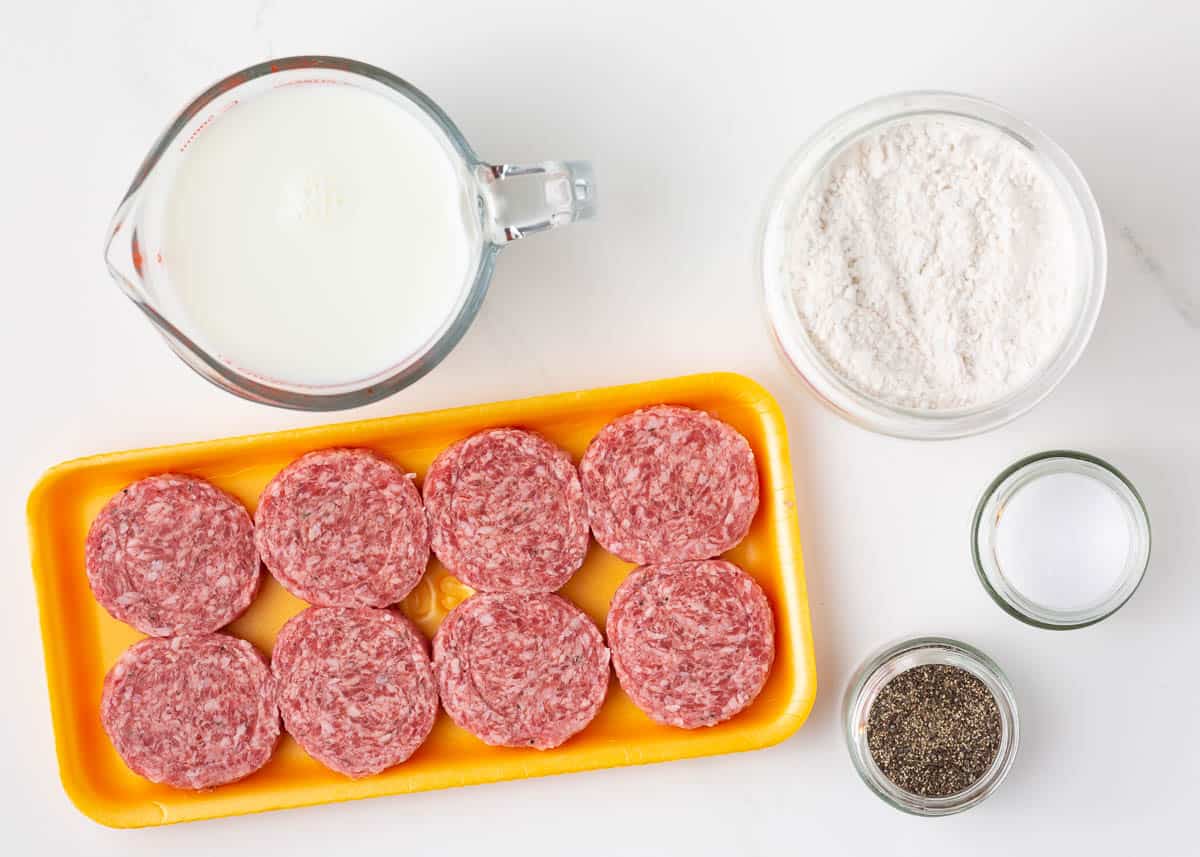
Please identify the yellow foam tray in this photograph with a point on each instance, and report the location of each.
(82, 641)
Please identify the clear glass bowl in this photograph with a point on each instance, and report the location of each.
(888, 663)
(991, 508)
(803, 355)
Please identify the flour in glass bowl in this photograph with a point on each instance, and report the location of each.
(932, 263)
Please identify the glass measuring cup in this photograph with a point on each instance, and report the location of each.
(510, 201)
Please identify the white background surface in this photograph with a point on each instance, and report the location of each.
(688, 111)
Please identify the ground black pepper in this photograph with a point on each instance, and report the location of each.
(934, 730)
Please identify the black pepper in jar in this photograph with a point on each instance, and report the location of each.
(934, 730)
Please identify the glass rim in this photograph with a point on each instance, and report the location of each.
(815, 371)
(879, 669)
(1044, 618)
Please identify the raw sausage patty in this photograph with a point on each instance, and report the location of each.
(669, 484)
(173, 554)
(520, 670)
(343, 528)
(355, 687)
(192, 711)
(692, 642)
(506, 512)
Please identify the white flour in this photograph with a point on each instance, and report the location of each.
(933, 264)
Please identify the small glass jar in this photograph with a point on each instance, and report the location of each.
(897, 658)
(990, 511)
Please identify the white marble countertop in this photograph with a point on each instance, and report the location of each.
(688, 111)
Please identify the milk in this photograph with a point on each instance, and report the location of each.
(319, 234)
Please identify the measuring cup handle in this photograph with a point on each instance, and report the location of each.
(523, 199)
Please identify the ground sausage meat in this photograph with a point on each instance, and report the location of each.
(692, 642)
(506, 512)
(520, 670)
(192, 711)
(669, 484)
(173, 554)
(355, 687)
(343, 528)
